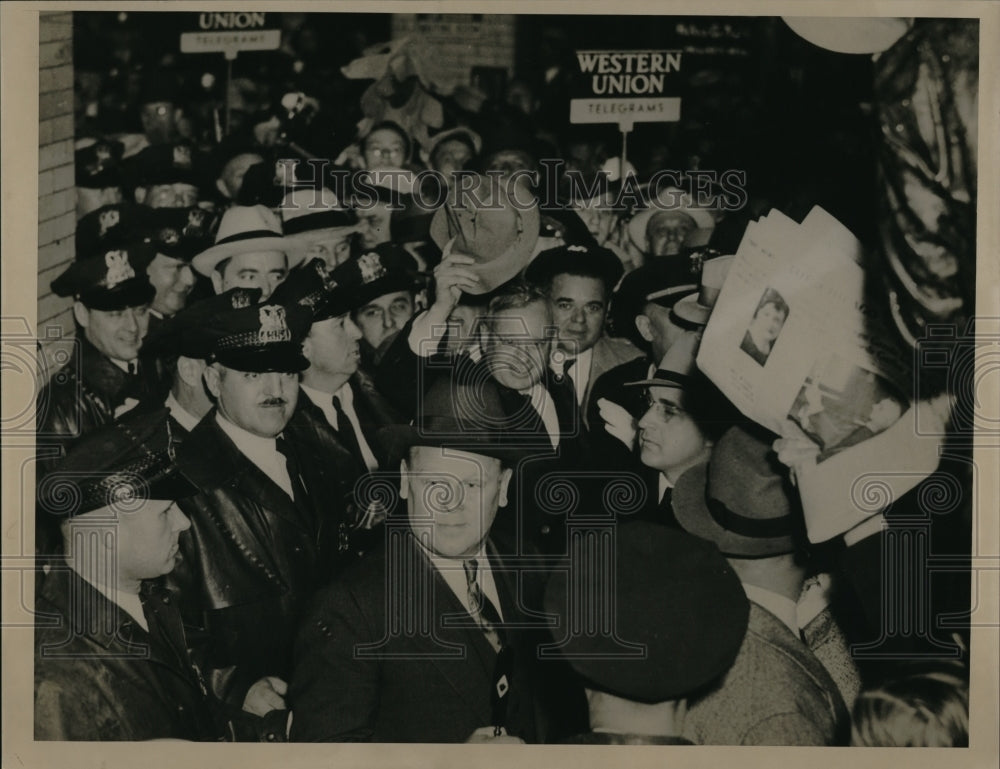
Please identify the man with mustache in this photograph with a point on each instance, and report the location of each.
(265, 526)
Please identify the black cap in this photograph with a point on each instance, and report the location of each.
(111, 226)
(382, 270)
(109, 279)
(187, 334)
(99, 165)
(120, 465)
(260, 337)
(181, 233)
(314, 287)
(167, 164)
(679, 613)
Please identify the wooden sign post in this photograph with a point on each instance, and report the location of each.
(626, 87)
(229, 33)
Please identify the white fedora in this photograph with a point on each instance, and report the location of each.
(245, 229)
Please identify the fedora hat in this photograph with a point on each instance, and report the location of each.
(460, 415)
(245, 229)
(309, 214)
(669, 199)
(496, 222)
(740, 499)
(675, 600)
(696, 308)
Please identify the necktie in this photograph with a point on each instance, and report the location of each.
(132, 368)
(480, 607)
(346, 432)
(485, 614)
(292, 465)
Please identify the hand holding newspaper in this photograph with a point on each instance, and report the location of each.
(795, 344)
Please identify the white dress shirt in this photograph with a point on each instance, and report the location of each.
(580, 373)
(541, 401)
(781, 607)
(346, 394)
(261, 451)
(452, 571)
(184, 418)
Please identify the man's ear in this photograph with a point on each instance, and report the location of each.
(642, 326)
(212, 380)
(403, 479)
(81, 313)
(217, 281)
(189, 371)
(140, 195)
(505, 475)
(221, 187)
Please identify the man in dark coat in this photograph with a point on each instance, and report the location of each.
(111, 657)
(423, 641)
(267, 526)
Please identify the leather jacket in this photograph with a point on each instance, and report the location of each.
(253, 556)
(100, 676)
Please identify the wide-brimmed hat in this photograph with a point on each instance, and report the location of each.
(673, 200)
(459, 415)
(495, 222)
(741, 499)
(866, 35)
(679, 614)
(461, 133)
(697, 308)
(119, 466)
(309, 214)
(109, 278)
(663, 281)
(258, 337)
(245, 229)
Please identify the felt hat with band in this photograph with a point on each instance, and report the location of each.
(245, 229)
(677, 609)
(741, 499)
(696, 308)
(495, 221)
(669, 200)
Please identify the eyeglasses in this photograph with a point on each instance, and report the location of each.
(664, 410)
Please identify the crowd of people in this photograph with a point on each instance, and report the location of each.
(408, 443)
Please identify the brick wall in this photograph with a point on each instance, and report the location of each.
(463, 40)
(56, 197)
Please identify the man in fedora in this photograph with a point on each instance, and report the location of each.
(657, 306)
(669, 223)
(111, 657)
(459, 672)
(103, 377)
(249, 252)
(776, 692)
(680, 615)
(579, 281)
(316, 224)
(266, 522)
